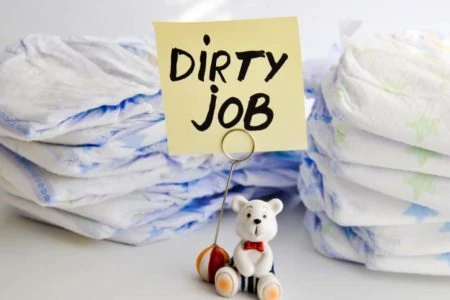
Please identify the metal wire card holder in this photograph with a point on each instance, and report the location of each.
(214, 257)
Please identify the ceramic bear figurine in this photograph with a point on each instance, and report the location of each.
(251, 267)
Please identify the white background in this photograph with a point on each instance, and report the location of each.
(42, 262)
(318, 18)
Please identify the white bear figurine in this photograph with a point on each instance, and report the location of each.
(251, 268)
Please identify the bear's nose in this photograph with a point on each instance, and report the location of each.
(257, 221)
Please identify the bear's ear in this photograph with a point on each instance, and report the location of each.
(238, 203)
(276, 205)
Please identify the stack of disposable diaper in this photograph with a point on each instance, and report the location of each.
(83, 144)
(376, 177)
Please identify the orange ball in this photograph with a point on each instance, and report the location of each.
(209, 261)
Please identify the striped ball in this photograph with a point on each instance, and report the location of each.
(209, 261)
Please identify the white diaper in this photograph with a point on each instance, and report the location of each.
(50, 86)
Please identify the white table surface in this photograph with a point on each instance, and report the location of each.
(38, 261)
(41, 262)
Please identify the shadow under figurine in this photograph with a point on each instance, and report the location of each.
(251, 268)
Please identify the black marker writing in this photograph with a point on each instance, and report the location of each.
(246, 58)
(219, 63)
(252, 110)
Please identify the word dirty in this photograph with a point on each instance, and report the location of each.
(220, 61)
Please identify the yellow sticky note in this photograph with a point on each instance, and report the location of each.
(216, 76)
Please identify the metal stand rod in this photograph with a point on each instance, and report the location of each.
(219, 220)
(235, 161)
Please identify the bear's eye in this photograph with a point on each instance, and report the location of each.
(265, 216)
(249, 215)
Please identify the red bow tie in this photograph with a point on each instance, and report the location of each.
(254, 246)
